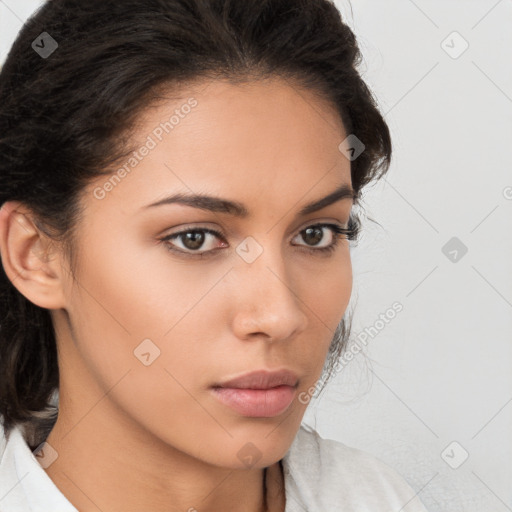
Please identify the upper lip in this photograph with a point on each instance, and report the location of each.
(261, 379)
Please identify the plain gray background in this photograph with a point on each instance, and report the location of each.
(432, 394)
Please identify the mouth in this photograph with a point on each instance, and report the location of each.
(261, 393)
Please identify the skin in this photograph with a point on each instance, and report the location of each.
(131, 437)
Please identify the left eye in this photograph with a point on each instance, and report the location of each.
(312, 235)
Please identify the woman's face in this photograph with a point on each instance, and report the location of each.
(151, 326)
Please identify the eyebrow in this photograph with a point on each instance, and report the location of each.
(237, 209)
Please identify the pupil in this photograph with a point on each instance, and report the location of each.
(319, 233)
(196, 238)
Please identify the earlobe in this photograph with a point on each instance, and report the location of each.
(27, 259)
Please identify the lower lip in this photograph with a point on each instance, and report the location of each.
(257, 403)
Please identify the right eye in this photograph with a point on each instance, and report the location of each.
(192, 240)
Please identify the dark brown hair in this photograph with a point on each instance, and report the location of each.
(65, 117)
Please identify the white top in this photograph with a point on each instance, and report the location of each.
(320, 475)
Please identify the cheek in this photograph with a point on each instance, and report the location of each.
(131, 311)
(137, 289)
(327, 294)
(135, 293)
(325, 301)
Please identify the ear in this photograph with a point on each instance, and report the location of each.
(26, 254)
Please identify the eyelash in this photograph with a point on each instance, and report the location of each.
(351, 233)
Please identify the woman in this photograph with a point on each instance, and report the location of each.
(178, 185)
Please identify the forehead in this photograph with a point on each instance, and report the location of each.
(255, 140)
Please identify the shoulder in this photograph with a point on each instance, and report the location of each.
(11, 496)
(324, 473)
(24, 485)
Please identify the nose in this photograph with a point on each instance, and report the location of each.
(266, 303)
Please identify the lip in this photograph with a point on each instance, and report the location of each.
(261, 394)
(257, 403)
(261, 379)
